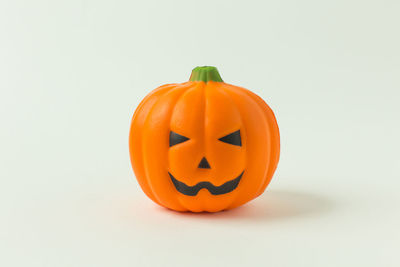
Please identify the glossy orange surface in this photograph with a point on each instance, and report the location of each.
(203, 112)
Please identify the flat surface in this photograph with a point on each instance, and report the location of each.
(72, 73)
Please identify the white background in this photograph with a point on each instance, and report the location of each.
(72, 73)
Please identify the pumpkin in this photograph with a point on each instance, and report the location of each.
(203, 145)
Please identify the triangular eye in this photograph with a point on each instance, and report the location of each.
(175, 138)
(233, 138)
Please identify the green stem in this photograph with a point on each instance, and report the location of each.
(205, 74)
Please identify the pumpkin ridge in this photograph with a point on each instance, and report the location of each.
(224, 91)
(195, 86)
(267, 179)
(242, 94)
(150, 95)
(132, 148)
(181, 88)
(274, 130)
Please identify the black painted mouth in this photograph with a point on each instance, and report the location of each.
(215, 190)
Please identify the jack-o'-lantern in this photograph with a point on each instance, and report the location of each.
(203, 145)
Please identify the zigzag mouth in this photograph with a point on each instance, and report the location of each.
(214, 190)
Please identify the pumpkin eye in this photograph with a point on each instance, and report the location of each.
(232, 138)
(175, 138)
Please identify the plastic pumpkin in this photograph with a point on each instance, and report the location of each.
(203, 145)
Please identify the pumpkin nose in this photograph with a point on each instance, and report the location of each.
(204, 164)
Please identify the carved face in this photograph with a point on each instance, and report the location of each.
(227, 187)
(203, 146)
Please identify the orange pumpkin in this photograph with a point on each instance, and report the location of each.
(203, 145)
